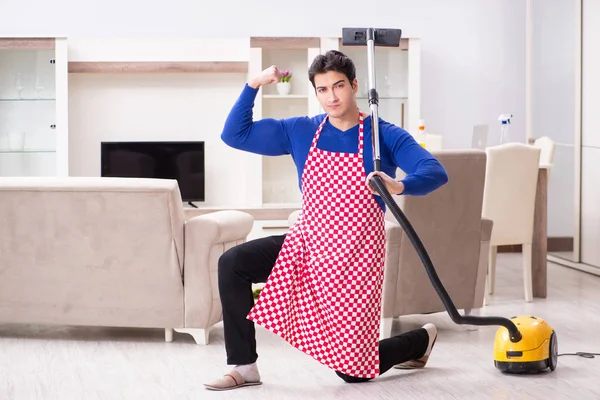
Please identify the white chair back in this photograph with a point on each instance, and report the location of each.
(509, 193)
(547, 147)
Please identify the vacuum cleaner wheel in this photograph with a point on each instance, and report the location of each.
(553, 359)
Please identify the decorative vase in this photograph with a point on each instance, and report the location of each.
(283, 88)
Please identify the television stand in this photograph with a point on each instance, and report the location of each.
(192, 204)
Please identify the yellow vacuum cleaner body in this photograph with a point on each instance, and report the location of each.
(535, 352)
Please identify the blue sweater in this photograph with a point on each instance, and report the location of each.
(274, 137)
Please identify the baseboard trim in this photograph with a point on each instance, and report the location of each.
(555, 244)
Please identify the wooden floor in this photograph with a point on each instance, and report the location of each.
(88, 363)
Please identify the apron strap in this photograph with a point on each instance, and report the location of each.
(361, 130)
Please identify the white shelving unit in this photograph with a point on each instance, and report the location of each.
(278, 176)
(263, 181)
(33, 107)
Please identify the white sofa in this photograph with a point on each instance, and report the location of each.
(111, 252)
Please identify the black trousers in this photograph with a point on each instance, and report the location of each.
(252, 262)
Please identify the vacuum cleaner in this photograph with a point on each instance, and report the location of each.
(523, 344)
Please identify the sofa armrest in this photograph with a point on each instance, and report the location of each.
(484, 250)
(207, 237)
(221, 226)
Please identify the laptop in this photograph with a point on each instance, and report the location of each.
(480, 136)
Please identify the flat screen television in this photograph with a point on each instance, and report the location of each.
(182, 161)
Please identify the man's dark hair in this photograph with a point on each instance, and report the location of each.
(333, 60)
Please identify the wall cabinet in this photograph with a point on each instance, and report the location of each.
(589, 140)
(573, 193)
(33, 107)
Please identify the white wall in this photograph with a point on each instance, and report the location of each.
(473, 51)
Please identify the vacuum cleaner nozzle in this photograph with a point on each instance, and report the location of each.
(381, 37)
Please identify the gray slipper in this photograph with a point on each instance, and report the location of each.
(232, 380)
(421, 362)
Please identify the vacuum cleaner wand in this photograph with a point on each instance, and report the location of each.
(373, 97)
(371, 38)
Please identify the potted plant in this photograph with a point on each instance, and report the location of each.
(284, 86)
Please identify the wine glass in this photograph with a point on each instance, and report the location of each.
(38, 87)
(387, 85)
(19, 85)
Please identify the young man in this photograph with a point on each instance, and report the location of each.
(324, 278)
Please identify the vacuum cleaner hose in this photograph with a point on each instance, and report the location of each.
(515, 336)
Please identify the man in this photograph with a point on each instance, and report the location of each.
(324, 278)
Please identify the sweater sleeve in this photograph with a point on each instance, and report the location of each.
(267, 136)
(424, 173)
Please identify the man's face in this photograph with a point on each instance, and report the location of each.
(335, 93)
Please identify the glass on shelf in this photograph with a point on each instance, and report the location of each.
(383, 86)
(385, 89)
(38, 88)
(387, 86)
(19, 87)
(391, 109)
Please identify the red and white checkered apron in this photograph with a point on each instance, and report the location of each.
(324, 293)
